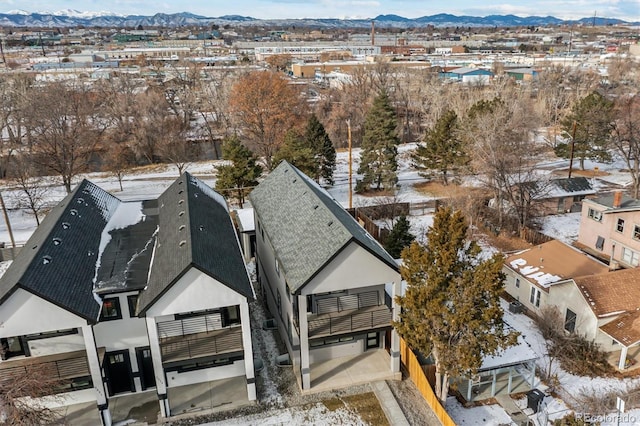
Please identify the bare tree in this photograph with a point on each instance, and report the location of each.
(32, 187)
(65, 127)
(119, 159)
(14, 98)
(626, 135)
(266, 106)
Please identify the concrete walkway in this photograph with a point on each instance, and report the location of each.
(389, 404)
(509, 405)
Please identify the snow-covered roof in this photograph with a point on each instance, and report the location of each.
(246, 220)
(553, 262)
(517, 354)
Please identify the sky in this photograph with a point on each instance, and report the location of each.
(272, 9)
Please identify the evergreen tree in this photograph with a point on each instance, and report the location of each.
(297, 152)
(241, 174)
(378, 163)
(592, 117)
(324, 152)
(443, 150)
(399, 237)
(451, 308)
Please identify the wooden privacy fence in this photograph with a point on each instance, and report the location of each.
(419, 378)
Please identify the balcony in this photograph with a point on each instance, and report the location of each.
(60, 366)
(189, 346)
(368, 318)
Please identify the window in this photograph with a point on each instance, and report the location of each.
(630, 257)
(279, 302)
(110, 309)
(570, 321)
(517, 282)
(636, 232)
(330, 341)
(230, 316)
(277, 267)
(595, 215)
(132, 301)
(535, 297)
(600, 243)
(620, 225)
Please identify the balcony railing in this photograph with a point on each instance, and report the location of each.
(178, 348)
(348, 321)
(62, 366)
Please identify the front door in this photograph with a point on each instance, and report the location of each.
(145, 366)
(373, 340)
(118, 371)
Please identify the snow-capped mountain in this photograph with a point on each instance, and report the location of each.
(72, 18)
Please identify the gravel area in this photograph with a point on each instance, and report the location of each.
(412, 403)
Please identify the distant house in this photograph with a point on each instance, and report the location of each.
(328, 284)
(610, 229)
(119, 297)
(554, 196)
(594, 301)
(468, 75)
(522, 74)
(533, 275)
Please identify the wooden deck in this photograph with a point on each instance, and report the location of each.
(65, 365)
(368, 318)
(179, 348)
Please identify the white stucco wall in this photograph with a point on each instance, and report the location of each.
(25, 313)
(337, 350)
(195, 291)
(354, 267)
(205, 375)
(123, 333)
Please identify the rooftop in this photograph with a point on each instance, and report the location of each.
(612, 292)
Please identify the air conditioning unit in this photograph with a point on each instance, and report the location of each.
(515, 307)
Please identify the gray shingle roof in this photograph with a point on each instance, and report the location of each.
(305, 225)
(59, 260)
(627, 203)
(195, 229)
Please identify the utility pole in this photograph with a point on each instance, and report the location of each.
(350, 166)
(6, 220)
(573, 146)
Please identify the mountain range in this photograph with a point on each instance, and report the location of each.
(73, 18)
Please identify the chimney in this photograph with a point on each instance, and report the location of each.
(617, 199)
(373, 33)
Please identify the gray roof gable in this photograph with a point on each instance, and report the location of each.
(305, 225)
(59, 260)
(195, 229)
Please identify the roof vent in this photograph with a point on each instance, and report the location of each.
(179, 182)
(181, 202)
(34, 247)
(286, 170)
(315, 206)
(80, 200)
(181, 191)
(294, 181)
(183, 242)
(330, 223)
(201, 228)
(181, 228)
(73, 212)
(65, 225)
(46, 260)
(181, 213)
(86, 191)
(57, 241)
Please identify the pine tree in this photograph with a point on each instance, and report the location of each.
(443, 150)
(451, 308)
(325, 154)
(399, 237)
(592, 120)
(241, 174)
(378, 163)
(297, 151)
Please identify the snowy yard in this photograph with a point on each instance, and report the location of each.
(279, 407)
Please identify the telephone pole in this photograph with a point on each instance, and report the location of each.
(350, 166)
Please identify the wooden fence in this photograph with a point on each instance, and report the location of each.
(419, 377)
(534, 237)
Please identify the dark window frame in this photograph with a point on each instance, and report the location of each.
(620, 225)
(570, 321)
(116, 301)
(132, 303)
